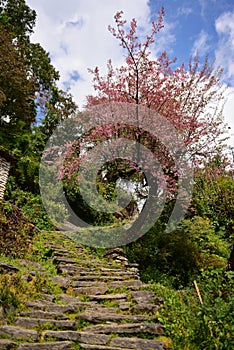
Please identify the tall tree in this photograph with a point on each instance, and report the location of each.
(26, 69)
(28, 83)
(17, 88)
(189, 98)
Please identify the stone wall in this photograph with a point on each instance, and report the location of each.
(4, 170)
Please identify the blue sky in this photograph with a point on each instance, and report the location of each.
(203, 25)
(75, 33)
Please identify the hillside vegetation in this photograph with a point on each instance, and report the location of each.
(185, 277)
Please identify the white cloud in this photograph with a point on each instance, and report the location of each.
(165, 39)
(205, 7)
(224, 53)
(184, 11)
(201, 45)
(75, 34)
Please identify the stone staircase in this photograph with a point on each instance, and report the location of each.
(104, 305)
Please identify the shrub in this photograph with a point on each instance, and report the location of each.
(15, 231)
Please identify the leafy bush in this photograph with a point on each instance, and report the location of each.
(192, 325)
(30, 204)
(15, 231)
(168, 258)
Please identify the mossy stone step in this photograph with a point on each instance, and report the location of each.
(96, 317)
(103, 278)
(132, 284)
(66, 345)
(37, 322)
(44, 315)
(143, 296)
(137, 343)
(58, 308)
(99, 347)
(91, 290)
(103, 297)
(7, 344)
(129, 328)
(89, 338)
(14, 332)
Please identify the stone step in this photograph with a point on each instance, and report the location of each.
(7, 344)
(36, 322)
(102, 297)
(103, 278)
(107, 273)
(44, 315)
(71, 268)
(47, 297)
(65, 298)
(61, 335)
(137, 343)
(130, 328)
(114, 269)
(62, 253)
(98, 264)
(15, 332)
(57, 308)
(66, 345)
(91, 290)
(144, 307)
(79, 284)
(99, 339)
(58, 259)
(134, 285)
(99, 347)
(95, 317)
(143, 296)
(62, 282)
(102, 308)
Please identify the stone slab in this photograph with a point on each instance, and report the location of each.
(108, 297)
(130, 328)
(47, 346)
(44, 315)
(100, 339)
(96, 317)
(18, 333)
(137, 343)
(35, 322)
(7, 344)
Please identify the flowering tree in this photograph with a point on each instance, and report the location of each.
(174, 113)
(189, 99)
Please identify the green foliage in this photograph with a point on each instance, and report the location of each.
(171, 258)
(17, 17)
(17, 89)
(15, 231)
(210, 243)
(202, 239)
(83, 210)
(214, 198)
(194, 326)
(32, 208)
(27, 85)
(8, 298)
